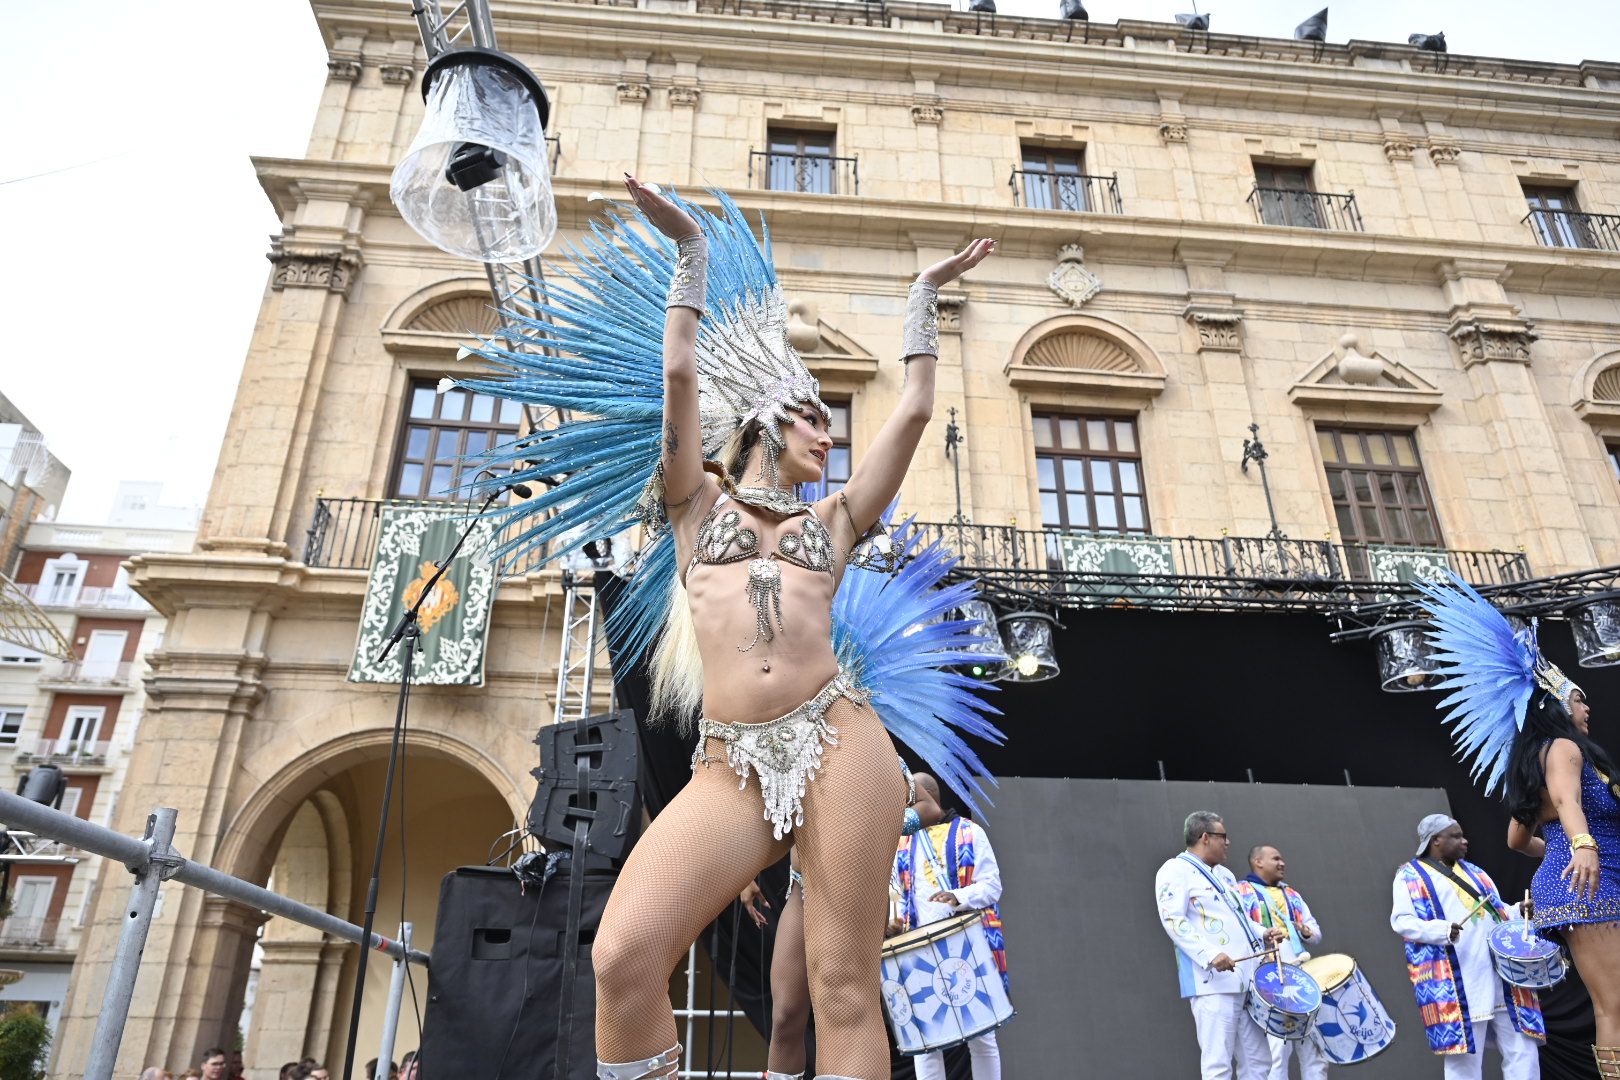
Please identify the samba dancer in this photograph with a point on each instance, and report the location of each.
(1445, 907)
(1529, 727)
(1276, 903)
(737, 583)
(1208, 920)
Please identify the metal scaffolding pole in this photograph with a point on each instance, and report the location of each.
(396, 996)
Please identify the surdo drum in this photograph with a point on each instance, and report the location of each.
(1524, 959)
(1282, 999)
(1352, 1025)
(941, 986)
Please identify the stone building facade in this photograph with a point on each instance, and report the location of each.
(1398, 265)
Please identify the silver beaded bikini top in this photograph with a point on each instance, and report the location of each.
(723, 538)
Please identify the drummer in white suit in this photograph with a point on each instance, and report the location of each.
(1211, 925)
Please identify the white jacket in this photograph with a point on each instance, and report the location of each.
(1204, 919)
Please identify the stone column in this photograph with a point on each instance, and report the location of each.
(318, 1039)
(1216, 325)
(633, 91)
(684, 103)
(927, 114)
(950, 388)
(1398, 150)
(1173, 133)
(285, 1005)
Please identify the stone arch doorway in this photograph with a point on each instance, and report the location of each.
(301, 1001)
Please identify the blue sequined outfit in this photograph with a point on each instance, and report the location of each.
(1556, 906)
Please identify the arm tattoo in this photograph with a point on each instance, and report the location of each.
(672, 442)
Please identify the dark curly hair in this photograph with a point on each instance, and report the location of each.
(1545, 720)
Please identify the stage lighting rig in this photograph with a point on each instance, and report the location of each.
(1313, 28)
(1195, 21)
(1428, 42)
(1028, 638)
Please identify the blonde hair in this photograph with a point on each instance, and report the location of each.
(677, 667)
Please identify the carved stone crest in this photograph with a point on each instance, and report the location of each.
(684, 96)
(396, 74)
(1070, 279)
(1482, 341)
(1219, 330)
(307, 269)
(342, 68)
(1444, 153)
(950, 312)
(925, 112)
(1398, 148)
(633, 93)
(1173, 132)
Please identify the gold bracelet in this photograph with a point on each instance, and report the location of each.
(1582, 840)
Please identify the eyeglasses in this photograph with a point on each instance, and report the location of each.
(1220, 836)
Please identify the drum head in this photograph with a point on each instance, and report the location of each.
(932, 932)
(1330, 971)
(1288, 988)
(1517, 941)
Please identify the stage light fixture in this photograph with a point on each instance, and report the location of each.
(44, 784)
(1313, 28)
(1194, 21)
(992, 662)
(1428, 42)
(1595, 623)
(1027, 637)
(1405, 658)
(1073, 10)
(476, 181)
(983, 7)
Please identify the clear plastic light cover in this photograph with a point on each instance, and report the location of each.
(1027, 636)
(986, 641)
(1405, 658)
(508, 219)
(1596, 629)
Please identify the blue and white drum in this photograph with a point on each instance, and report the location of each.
(1524, 959)
(941, 986)
(1352, 1025)
(1282, 999)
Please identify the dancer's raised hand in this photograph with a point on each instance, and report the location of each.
(666, 217)
(948, 270)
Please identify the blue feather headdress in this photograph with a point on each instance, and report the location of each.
(1493, 671)
(893, 634)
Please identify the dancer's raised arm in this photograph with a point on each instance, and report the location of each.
(683, 436)
(876, 479)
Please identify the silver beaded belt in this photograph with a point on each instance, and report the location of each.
(785, 752)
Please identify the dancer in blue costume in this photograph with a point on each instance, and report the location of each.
(1528, 727)
(702, 421)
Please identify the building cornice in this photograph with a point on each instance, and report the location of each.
(872, 222)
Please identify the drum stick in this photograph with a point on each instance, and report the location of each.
(1472, 910)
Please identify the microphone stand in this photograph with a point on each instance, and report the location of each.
(409, 631)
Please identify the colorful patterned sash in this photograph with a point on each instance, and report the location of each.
(959, 863)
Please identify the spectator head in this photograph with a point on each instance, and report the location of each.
(236, 1063)
(289, 1071)
(317, 1071)
(154, 1072)
(408, 1066)
(213, 1064)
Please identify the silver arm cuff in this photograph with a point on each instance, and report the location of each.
(921, 334)
(689, 284)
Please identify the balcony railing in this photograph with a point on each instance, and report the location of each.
(1573, 229)
(1306, 209)
(29, 933)
(342, 533)
(816, 174)
(64, 751)
(1094, 569)
(1065, 191)
(88, 673)
(91, 596)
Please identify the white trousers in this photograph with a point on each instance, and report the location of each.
(1225, 1032)
(985, 1053)
(1520, 1058)
(1313, 1064)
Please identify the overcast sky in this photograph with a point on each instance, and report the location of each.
(134, 232)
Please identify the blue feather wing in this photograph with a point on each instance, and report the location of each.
(884, 634)
(1490, 675)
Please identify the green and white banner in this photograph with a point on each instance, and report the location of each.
(454, 619)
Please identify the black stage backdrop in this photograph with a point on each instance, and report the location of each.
(1226, 697)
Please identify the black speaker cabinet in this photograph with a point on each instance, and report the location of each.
(495, 985)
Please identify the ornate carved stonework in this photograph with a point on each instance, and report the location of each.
(312, 269)
(397, 74)
(1398, 148)
(1482, 341)
(684, 96)
(1444, 153)
(1173, 132)
(1219, 330)
(950, 312)
(927, 113)
(1070, 279)
(343, 69)
(633, 93)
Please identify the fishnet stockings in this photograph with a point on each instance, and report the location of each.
(708, 843)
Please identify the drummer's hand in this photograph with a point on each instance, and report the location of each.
(895, 927)
(751, 896)
(1456, 932)
(1222, 963)
(665, 216)
(1275, 934)
(943, 897)
(1528, 909)
(1582, 873)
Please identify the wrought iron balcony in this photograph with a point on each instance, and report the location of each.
(30, 932)
(90, 596)
(1306, 209)
(65, 751)
(815, 174)
(1081, 569)
(342, 533)
(1077, 192)
(1573, 229)
(88, 673)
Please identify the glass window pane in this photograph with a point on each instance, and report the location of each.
(441, 480)
(1050, 516)
(448, 445)
(1102, 477)
(1043, 432)
(1413, 486)
(1330, 451)
(1079, 515)
(1352, 450)
(1097, 434)
(410, 481)
(1133, 514)
(483, 409)
(1074, 474)
(1127, 478)
(1045, 473)
(511, 412)
(1125, 436)
(1405, 451)
(452, 404)
(1378, 449)
(1069, 434)
(1371, 529)
(1361, 486)
(422, 403)
(477, 442)
(838, 463)
(1335, 480)
(1423, 530)
(416, 443)
(1347, 523)
(839, 428)
(1107, 514)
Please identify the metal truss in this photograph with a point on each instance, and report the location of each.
(581, 638)
(1543, 597)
